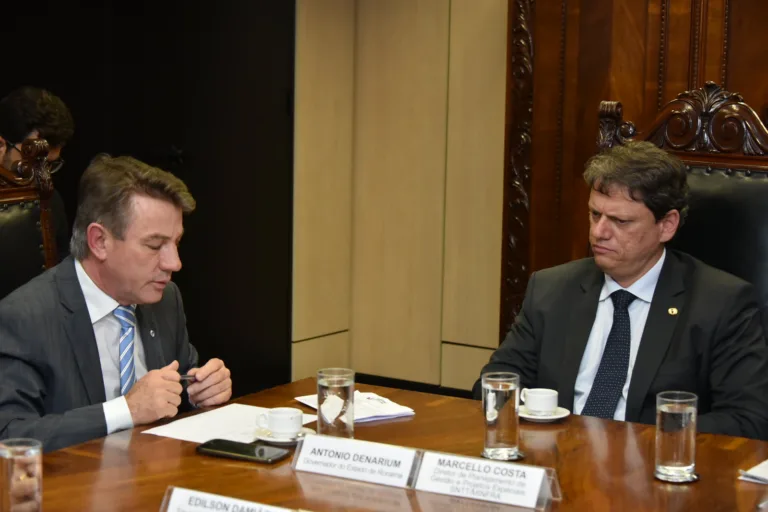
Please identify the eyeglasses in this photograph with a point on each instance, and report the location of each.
(55, 165)
(11, 145)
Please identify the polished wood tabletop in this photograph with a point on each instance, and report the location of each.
(601, 464)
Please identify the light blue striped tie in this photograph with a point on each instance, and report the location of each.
(127, 317)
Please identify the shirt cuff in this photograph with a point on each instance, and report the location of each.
(118, 415)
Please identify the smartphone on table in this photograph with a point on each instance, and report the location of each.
(243, 451)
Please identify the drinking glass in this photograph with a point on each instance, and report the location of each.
(21, 475)
(336, 402)
(676, 436)
(500, 408)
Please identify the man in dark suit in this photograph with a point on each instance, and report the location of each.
(612, 331)
(96, 344)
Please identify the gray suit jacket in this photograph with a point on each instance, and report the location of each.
(713, 345)
(51, 385)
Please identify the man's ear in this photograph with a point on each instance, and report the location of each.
(99, 240)
(668, 225)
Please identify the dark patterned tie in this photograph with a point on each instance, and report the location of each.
(612, 373)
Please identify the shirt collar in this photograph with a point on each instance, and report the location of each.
(643, 288)
(99, 303)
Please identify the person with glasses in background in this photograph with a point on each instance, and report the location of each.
(34, 113)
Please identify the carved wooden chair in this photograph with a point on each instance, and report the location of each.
(27, 240)
(724, 145)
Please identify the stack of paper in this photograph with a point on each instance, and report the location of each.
(368, 407)
(757, 474)
(234, 422)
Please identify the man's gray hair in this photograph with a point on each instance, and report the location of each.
(106, 190)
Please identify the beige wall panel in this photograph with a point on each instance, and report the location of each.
(475, 172)
(401, 73)
(462, 365)
(322, 166)
(326, 352)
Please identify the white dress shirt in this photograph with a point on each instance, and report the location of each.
(643, 289)
(106, 329)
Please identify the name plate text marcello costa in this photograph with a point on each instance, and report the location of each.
(480, 479)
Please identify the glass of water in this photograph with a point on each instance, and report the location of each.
(676, 436)
(500, 406)
(336, 402)
(21, 475)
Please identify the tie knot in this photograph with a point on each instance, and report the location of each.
(126, 315)
(622, 299)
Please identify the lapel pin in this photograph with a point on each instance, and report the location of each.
(152, 333)
(671, 311)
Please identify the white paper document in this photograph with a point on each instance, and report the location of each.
(234, 422)
(368, 407)
(757, 474)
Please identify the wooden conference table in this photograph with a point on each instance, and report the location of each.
(601, 464)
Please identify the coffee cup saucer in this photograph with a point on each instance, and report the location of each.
(560, 413)
(262, 434)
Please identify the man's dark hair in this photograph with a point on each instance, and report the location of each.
(31, 108)
(651, 175)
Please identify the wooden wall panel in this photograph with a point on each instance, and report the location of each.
(401, 77)
(570, 180)
(747, 67)
(474, 172)
(548, 100)
(628, 43)
(678, 48)
(325, 352)
(322, 167)
(461, 365)
(714, 42)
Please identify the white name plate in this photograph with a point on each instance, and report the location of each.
(178, 499)
(357, 460)
(480, 479)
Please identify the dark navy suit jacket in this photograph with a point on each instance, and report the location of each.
(704, 334)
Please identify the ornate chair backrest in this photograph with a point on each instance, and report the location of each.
(27, 240)
(724, 145)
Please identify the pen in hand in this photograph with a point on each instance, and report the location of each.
(187, 378)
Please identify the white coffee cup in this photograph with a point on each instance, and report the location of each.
(539, 401)
(282, 422)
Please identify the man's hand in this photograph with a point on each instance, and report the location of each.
(156, 395)
(25, 493)
(212, 385)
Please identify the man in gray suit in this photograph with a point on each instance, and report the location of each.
(97, 343)
(611, 331)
